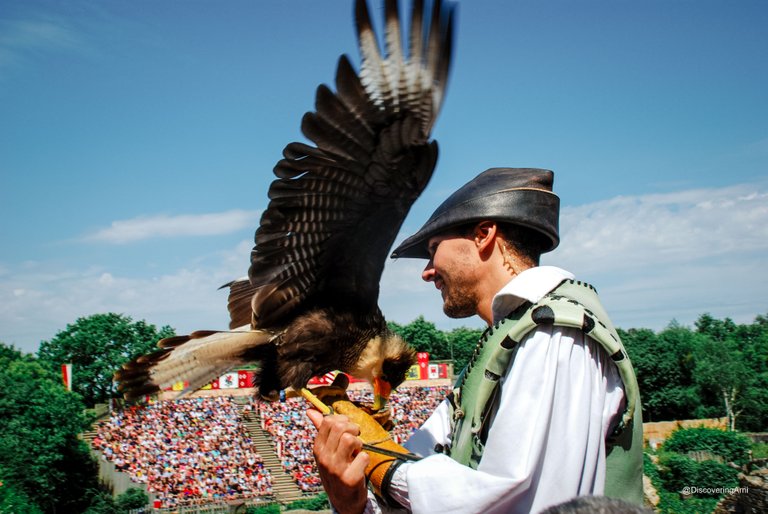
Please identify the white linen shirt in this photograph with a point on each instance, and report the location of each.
(546, 444)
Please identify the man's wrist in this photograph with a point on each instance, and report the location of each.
(386, 482)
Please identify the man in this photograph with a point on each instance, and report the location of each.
(547, 409)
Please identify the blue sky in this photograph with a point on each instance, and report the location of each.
(137, 142)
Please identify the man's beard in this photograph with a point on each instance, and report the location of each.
(460, 300)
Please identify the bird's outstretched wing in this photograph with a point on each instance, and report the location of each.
(336, 207)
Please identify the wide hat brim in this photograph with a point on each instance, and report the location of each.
(521, 196)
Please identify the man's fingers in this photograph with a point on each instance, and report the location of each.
(336, 436)
(359, 464)
(341, 434)
(315, 417)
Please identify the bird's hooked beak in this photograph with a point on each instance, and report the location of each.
(381, 391)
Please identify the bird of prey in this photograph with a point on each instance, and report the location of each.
(310, 303)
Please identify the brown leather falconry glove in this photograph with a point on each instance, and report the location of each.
(381, 467)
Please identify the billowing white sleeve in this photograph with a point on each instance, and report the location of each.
(546, 443)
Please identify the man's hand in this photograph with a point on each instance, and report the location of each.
(340, 461)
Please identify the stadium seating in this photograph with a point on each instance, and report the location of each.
(196, 451)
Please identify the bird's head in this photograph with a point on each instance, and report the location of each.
(384, 363)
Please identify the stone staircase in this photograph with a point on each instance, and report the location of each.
(283, 486)
(88, 436)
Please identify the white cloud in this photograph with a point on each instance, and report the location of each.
(186, 225)
(20, 38)
(36, 301)
(660, 257)
(664, 229)
(653, 258)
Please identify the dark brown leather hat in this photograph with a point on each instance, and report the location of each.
(522, 196)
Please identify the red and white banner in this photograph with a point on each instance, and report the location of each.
(245, 378)
(423, 361)
(228, 381)
(66, 375)
(326, 379)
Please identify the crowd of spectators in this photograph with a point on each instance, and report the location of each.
(198, 450)
(411, 406)
(293, 433)
(187, 451)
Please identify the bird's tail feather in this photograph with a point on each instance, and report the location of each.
(197, 358)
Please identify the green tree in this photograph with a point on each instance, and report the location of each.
(133, 498)
(463, 341)
(14, 499)
(732, 362)
(41, 455)
(425, 337)
(720, 366)
(101, 503)
(731, 446)
(664, 364)
(97, 346)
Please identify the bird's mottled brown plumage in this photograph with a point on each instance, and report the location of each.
(310, 303)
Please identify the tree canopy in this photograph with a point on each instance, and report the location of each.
(97, 346)
(456, 345)
(44, 466)
(716, 369)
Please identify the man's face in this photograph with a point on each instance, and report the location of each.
(452, 268)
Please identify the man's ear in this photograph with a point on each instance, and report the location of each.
(484, 234)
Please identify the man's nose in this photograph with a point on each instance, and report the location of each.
(428, 275)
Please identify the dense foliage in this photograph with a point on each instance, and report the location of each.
(315, 503)
(730, 446)
(270, 508)
(456, 345)
(716, 369)
(44, 466)
(695, 469)
(102, 502)
(97, 346)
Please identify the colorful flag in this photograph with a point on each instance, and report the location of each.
(66, 375)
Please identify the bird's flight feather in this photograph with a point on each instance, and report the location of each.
(335, 209)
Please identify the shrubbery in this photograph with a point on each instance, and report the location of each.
(731, 446)
(271, 508)
(102, 502)
(707, 480)
(679, 472)
(714, 474)
(319, 502)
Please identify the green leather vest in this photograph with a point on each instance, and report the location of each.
(572, 304)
